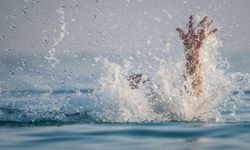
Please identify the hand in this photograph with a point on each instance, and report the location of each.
(135, 79)
(196, 35)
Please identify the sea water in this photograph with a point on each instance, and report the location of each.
(158, 115)
(73, 128)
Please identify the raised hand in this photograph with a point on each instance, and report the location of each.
(192, 41)
(195, 36)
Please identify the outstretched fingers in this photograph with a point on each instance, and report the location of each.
(181, 32)
(212, 31)
(209, 23)
(191, 23)
(202, 22)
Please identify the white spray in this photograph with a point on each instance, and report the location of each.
(57, 39)
(165, 97)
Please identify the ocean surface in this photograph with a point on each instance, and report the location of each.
(66, 68)
(24, 128)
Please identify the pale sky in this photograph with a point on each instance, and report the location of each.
(104, 27)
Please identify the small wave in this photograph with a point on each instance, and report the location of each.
(16, 117)
(18, 93)
(64, 107)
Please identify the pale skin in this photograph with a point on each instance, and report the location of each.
(192, 41)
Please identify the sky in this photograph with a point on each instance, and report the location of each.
(44, 41)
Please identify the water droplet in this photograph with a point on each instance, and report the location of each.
(148, 42)
(97, 59)
(73, 20)
(25, 10)
(12, 27)
(7, 49)
(157, 19)
(20, 68)
(34, 2)
(12, 72)
(168, 46)
(13, 16)
(62, 81)
(84, 59)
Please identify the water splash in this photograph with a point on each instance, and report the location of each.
(164, 98)
(57, 39)
(123, 104)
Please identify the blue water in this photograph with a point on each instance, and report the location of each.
(24, 126)
(171, 135)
